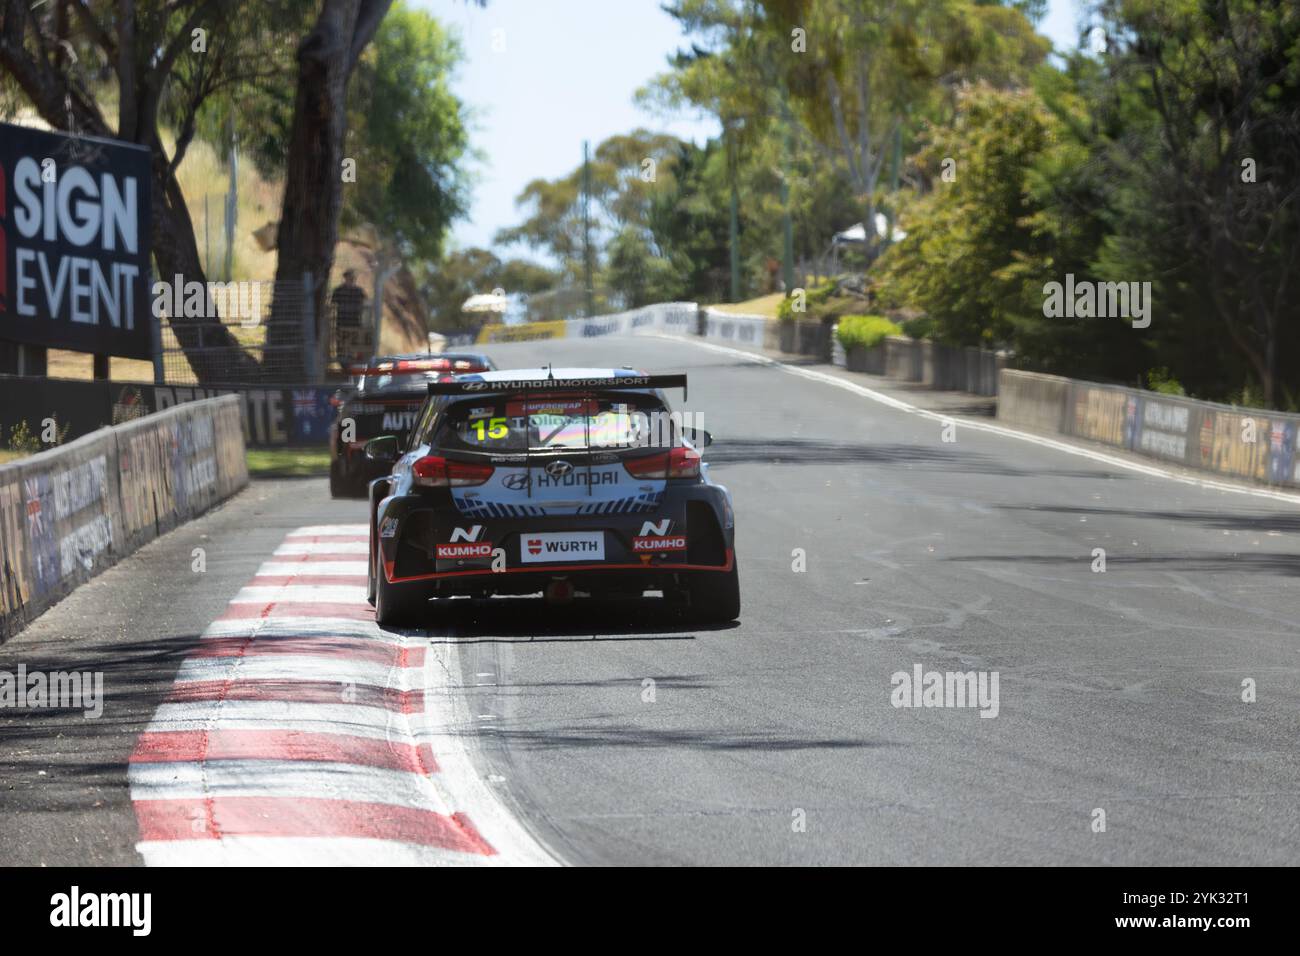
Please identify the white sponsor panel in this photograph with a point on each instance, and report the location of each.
(550, 547)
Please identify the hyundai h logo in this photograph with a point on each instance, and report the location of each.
(558, 469)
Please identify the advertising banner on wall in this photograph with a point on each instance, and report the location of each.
(74, 242)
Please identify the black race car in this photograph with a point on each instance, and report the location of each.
(566, 481)
(385, 400)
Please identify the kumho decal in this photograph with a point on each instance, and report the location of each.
(481, 549)
(657, 543)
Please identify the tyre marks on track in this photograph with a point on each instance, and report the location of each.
(300, 732)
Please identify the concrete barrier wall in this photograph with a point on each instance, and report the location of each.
(1254, 444)
(943, 367)
(1034, 400)
(68, 513)
(748, 330)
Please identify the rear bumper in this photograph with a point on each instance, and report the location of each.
(413, 533)
(577, 572)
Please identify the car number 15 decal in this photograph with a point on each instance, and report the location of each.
(495, 429)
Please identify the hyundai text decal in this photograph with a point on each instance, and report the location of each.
(578, 478)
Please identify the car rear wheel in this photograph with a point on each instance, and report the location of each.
(405, 604)
(715, 597)
(370, 570)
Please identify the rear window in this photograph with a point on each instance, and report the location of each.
(516, 423)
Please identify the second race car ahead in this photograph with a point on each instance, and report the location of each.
(385, 401)
(566, 481)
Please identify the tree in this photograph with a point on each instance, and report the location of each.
(408, 136)
(627, 170)
(1201, 180)
(313, 190)
(179, 54)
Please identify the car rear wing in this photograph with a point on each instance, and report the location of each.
(523, 386)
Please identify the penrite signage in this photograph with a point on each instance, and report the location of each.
(74, 242)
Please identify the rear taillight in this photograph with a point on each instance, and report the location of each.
(434, 471)
(674, 463)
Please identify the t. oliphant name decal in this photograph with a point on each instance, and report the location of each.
(74, 243)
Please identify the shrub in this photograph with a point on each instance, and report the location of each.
(1162, 381)
(814, 297)
(864, 331)
(920, 327)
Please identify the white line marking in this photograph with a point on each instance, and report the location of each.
(357, 720)
(305, 851)
(322, 593)
(301, 627)
(343, 569)
(304, 667)
(330, 530)
(188, 780)
(322, 547)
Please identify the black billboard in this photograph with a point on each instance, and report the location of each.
(74, 243)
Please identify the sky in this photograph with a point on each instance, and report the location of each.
(540, 76)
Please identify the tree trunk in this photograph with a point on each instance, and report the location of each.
(313, 193)
(212, 351)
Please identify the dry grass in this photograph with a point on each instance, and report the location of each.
(763, 305)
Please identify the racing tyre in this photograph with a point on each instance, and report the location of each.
(400, 605)
(715, 598)
(370, 575)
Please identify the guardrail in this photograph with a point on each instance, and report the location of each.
(69, 513)
(1255, 444)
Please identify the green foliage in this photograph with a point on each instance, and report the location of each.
(864, 331)
(408, 134)
(816, 300)
(920, 327)
(1159, 380)
(23, 440)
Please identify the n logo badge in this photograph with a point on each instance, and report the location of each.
(656, 528)
(472, 535)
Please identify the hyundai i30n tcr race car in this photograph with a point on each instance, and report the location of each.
(559, 481)
(385, 401)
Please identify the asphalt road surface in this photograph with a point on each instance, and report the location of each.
(867, 546)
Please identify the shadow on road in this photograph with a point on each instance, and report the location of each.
(1259, 521)
(531, 620)
(631, 737)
